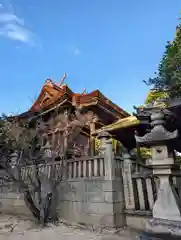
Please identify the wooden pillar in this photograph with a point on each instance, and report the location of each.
(66, 130)
(92, 142)
(53, 140)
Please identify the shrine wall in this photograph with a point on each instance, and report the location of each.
(89, 197)
(88, 201)
(85, 197)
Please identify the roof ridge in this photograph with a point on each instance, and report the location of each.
(57, 91)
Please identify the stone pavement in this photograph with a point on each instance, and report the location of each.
(13, 229)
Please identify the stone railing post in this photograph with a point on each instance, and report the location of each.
(113, 187)
(166, 210)
(127, 181)
(106, 150)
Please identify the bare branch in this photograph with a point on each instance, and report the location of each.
(25, 138)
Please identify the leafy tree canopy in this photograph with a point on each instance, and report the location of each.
(168, 75)
(156, 95)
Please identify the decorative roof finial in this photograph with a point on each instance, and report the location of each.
(48, 80)
(84, 91)
(63, 78)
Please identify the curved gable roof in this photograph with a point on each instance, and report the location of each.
(52, 93)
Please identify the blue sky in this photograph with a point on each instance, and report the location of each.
(111, 45)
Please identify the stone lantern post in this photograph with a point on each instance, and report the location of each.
(13, 159)
(14, 164)
(166, 211)
(47, 151)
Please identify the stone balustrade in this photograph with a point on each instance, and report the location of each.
(85, 167)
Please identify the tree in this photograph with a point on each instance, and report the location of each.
(168, 75)
(167, 83)
(22, 142)
(155, 95)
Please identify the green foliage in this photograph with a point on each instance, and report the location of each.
(145, 152)
(155, 95)
(169, 70)
(18, 136)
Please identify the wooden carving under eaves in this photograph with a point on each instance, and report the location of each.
(49, 94)
(46, 99)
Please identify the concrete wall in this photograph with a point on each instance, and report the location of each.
(12, 202)
(97, 191)
(95, 202)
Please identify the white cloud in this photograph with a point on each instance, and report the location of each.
(12, 26)
(16, 32)
(76, 51)
(10, 17)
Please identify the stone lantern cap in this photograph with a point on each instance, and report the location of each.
(47, 146)
(14, 155)
(158, 134)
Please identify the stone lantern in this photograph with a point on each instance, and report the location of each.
(13, 159)
(166, 211)
(47, 151)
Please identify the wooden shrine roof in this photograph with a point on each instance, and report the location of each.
(53, 94)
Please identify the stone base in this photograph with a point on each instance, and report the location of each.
(163, 227)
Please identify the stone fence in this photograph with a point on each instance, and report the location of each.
(100, 190)
(85, 167)
(140, 189)
(86, 195)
